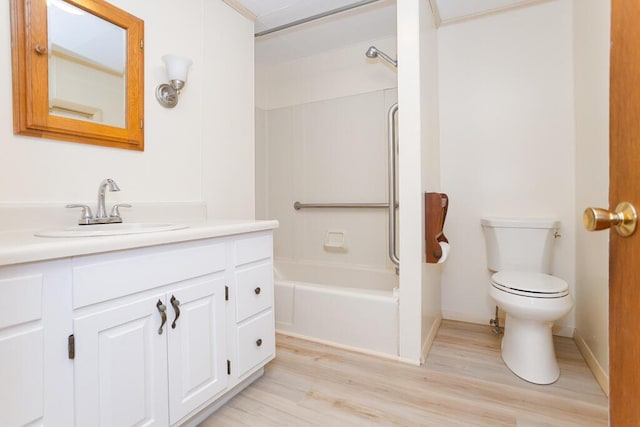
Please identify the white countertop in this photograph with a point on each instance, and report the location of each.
(22, 246)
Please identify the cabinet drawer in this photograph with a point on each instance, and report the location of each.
(253, 249)
(98, 278)
(21, 300)
(254, 290)
(256, 342)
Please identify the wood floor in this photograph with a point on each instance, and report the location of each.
(463, 383)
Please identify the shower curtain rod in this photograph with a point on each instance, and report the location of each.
(314, 17)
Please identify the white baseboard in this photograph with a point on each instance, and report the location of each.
(465, 317)
(563, 331)
(560, 330)
(431, 336)
(601, 376)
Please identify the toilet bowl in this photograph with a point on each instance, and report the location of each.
(532, 302)
(519, 255)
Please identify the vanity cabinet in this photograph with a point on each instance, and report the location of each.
(157, 336)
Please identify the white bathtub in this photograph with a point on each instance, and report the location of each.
(349, 306)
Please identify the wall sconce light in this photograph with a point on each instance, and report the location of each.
(177, 68)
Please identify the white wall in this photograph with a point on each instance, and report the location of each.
(507, 141)
(192, 153)
(326, 152)
(262, 172)
(418, 172)
(333, 74)
(321, 138)
(591, 43)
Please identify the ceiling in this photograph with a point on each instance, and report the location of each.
(368, 20)
(371, 22)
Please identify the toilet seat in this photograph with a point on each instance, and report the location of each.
(532, 285)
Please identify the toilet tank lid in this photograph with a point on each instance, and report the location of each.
(520, 222)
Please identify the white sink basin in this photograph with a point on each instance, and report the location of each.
(109, 229)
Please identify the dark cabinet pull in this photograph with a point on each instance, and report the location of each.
(161, 308)
(175, 303)
(259, 342)
(257, 290)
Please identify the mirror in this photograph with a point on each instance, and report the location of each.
(78, 72)
(86, 74)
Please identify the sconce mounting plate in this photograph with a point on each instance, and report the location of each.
(167, 96)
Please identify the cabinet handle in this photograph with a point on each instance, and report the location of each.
(257, 290)
(175, 303)
(259, 342)
(162, 308)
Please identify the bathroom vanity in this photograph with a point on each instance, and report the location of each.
(154, 329)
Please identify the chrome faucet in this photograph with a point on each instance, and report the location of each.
(101, 217)
(101, 213)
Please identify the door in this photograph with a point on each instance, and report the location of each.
(21, 370)
(120, 366)
(197, 345)
(624, 258)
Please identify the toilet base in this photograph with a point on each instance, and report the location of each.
(528, 350)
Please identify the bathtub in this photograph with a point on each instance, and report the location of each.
(352, 307)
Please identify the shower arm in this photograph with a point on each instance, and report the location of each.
(387, 58)
(392, 186)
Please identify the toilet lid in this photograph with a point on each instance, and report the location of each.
(536, 285)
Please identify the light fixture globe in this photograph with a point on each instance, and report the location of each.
(177, 69)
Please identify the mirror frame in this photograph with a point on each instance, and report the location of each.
(31, 78)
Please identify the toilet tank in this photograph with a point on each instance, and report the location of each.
(519, 244)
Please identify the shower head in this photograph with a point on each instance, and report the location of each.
(373, 52)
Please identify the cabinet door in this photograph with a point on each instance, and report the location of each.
(121, 366)
(197, 340)
(21, 351)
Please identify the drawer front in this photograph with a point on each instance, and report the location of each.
(104, 277)
(256, 342)
(254, 290)
(21, 300)
(253, 249)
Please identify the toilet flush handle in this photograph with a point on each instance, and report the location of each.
(624, 219)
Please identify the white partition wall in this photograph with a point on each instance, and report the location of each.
(418, 172)
(591, 45)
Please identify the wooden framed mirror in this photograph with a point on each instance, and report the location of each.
(78, 72)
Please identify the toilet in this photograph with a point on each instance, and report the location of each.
(519, 254)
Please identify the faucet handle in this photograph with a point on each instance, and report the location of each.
(115, 210)
(86, 215)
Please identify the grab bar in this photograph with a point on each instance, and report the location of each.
(297, 205)
(392, 186)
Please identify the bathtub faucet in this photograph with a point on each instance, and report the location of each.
(101, 216)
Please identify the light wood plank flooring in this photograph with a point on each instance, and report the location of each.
(463, 383)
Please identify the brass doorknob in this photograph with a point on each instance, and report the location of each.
(624, 219)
